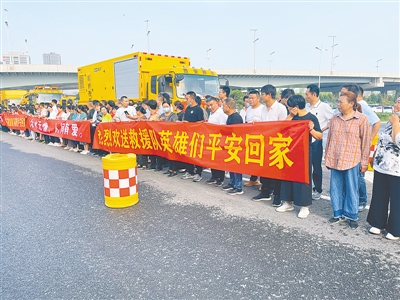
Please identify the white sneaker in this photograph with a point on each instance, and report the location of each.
(57, 145)
(84, 152)
(390, 236)
(315, 195)
(285, 207)
(375, 230)
(304, 212)
(50, 144)
(197, 178)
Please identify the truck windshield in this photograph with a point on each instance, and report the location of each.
(46, 98)
(201, 85)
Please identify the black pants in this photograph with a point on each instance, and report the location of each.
(190, 169)
(267, 185)
(217, 174)
(386, 188)
(176, 165)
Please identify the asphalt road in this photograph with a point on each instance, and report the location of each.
(183, 240)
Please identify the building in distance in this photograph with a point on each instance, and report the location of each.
(16, 58)
(51, 58)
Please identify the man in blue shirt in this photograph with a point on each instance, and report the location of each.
(375, 122)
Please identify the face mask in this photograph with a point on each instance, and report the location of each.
(247, 105)
(167, 109)
(398, 113)
(189, 105)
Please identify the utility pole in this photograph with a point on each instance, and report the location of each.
(333, 46)
(132, 47)
(148, 36)
(254, 42)
(26, 44)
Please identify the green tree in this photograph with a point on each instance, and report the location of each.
(238, 96)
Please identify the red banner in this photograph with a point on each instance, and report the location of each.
(269, 149)
(2, 120)
(71, 130)
(14, 121)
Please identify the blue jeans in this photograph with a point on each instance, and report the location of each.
(344, 192)
(235, 180)
(316, 150)
(362, 189)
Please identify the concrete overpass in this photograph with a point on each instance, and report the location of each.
(330, 81)
(27, 76)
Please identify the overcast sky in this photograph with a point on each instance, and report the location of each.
(84, 32)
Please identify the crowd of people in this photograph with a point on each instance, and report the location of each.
(347, 152)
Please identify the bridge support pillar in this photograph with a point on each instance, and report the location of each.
(397, 94)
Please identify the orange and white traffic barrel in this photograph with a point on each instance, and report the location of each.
(371, 152)
(120, 180)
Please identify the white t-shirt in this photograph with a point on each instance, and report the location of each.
(254, 114)
(120, 114)
(277, 112)
(242, 113)
(322, 111)
(218, 117)
(53, 113)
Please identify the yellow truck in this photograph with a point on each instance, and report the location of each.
(9, 97)
(42, 94)
(141, 76)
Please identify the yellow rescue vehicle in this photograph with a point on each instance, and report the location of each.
(9, 97)
(42, 94)
(141, 76)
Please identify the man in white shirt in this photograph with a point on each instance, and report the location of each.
(246, 105)
(217, 116)
(254, 114)
(54, 110)
(324, 114)
(125, 113)
(273, 111)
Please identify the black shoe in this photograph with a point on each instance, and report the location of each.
(227, 187)
(277, 201)
(235, 192)
(335, 220)
(172, 174)
(211, 181)
(352, 224)
(261, 197)
(218, 183)
(167, 172)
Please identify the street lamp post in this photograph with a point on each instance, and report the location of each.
(333, 46)
(377, 65)
(8, 33)
(254, 42)
(132, 47)
(270, 60)
(26, 45)
(334, 61)
(148, 36)
(270, 64)
(208, 58)
(320, 61)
